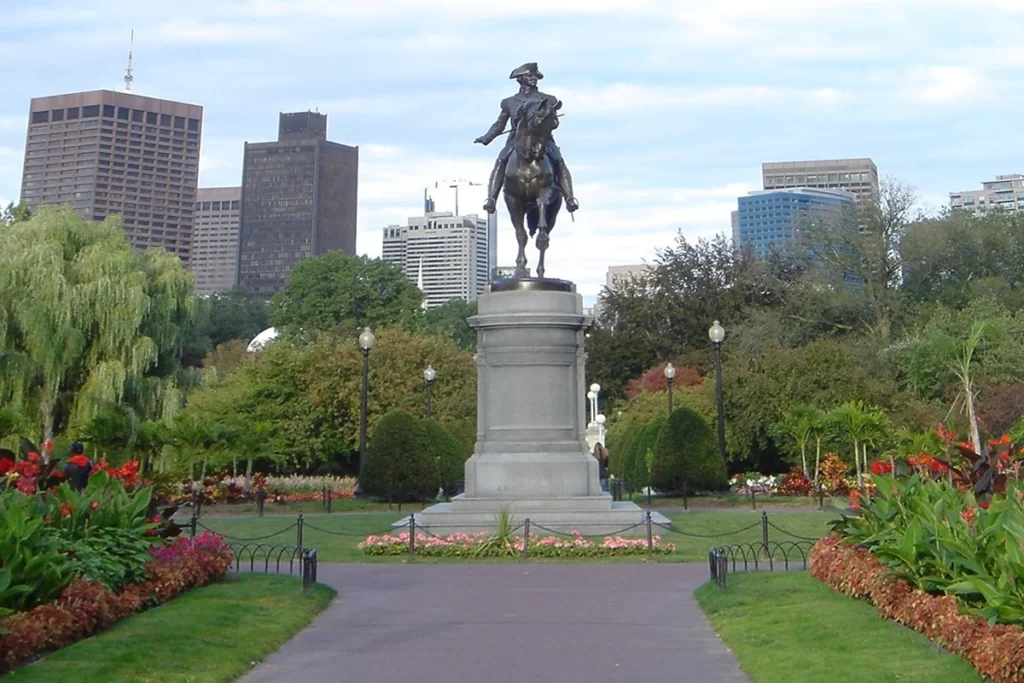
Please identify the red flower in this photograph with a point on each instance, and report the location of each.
(880, 467)
(968, 515)
(79, 460)
(48, 446)
(6, 465)
(943, 433)
(983, 504)
(66, 510)
(94, 505)
(32, 457)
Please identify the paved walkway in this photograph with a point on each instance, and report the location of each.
(507, 623)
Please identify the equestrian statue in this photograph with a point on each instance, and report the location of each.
(530, 166)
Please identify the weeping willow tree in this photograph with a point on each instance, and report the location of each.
(86, 321)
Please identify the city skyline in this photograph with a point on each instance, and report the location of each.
(699, 99)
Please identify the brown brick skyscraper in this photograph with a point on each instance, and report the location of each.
(104, 152)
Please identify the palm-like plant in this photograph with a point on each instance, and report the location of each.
(798, 426)
(852, 422)
(192, 436)
(821, 430)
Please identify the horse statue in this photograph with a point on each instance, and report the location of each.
(532, 192)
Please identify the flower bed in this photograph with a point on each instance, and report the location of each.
(485, 545)
(292, 489)
(86, 607)
(996, 651)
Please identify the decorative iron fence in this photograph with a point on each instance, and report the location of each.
(765, 556)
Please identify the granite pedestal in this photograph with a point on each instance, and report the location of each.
(531, 456)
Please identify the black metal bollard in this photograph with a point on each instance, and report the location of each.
(686, 503)
(298, 532)
(764, 530)
(650, 536)
(192, 524)
(330, 498)
(412, 537)
(197, 502)
(753, 499)
(526, 539)
(261, 498)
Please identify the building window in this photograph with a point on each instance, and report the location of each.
(57, 115)
(193, 124)
(40, 116)
(165, 120)
(90, 111)
(108, 110)
(123, 113)
(179, 122)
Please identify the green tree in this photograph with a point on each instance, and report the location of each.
(450, 320)
(227, 357)
(14, 214)
(640, 465)
(236, 314)
(864, 251)
(342, 294)
(398, 459)
(686, 456)
(86, 321)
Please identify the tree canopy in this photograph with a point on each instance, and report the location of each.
(342, 294)
(86, 321)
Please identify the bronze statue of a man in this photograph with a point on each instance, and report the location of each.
(527, 75)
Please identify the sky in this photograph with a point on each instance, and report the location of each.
(669, 107)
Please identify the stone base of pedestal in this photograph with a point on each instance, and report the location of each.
(589, 515)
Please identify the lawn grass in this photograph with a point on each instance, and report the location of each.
(207, 635)
(728, 500)
(709, 529)
(791, 628)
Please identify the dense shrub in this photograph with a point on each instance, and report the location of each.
(686, 454)
(794, 483)
(398, 461)
(645, 447)
(448, 454)
(618, 449)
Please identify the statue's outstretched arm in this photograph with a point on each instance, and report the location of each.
(495, 130)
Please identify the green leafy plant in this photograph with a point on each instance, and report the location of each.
(942, 541)
(502, 542)
(30, 558)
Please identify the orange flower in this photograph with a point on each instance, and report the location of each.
(968, 515)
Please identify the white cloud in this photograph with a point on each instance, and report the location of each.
(218, 33)
(641, 99)
(945, 84)
(826, 96)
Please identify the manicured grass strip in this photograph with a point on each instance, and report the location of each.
(342, 548)
(790, 628)
(207, 635)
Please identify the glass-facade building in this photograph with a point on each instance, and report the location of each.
(299, 198)
(772, 219)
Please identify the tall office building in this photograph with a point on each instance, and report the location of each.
(771, 219)
(859, 176)
(298, 200)
(1005, 193)
(215, 239)
(618, 274)
(104, 153)
(448, 256)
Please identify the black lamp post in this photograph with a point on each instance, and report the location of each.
(717, 335)
(429, 375)
(670, 376)
(366, 342)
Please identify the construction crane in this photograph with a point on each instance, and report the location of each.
(456, 184)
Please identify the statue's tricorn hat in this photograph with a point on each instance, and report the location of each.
(528, 68)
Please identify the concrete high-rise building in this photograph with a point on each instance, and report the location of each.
(298, 200)
(1005, 193)
(625, 273)
(448, 256)
(772, 219)
(105, 152)
(859, 176)
(215, 239)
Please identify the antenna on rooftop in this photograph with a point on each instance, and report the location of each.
(128, 78)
